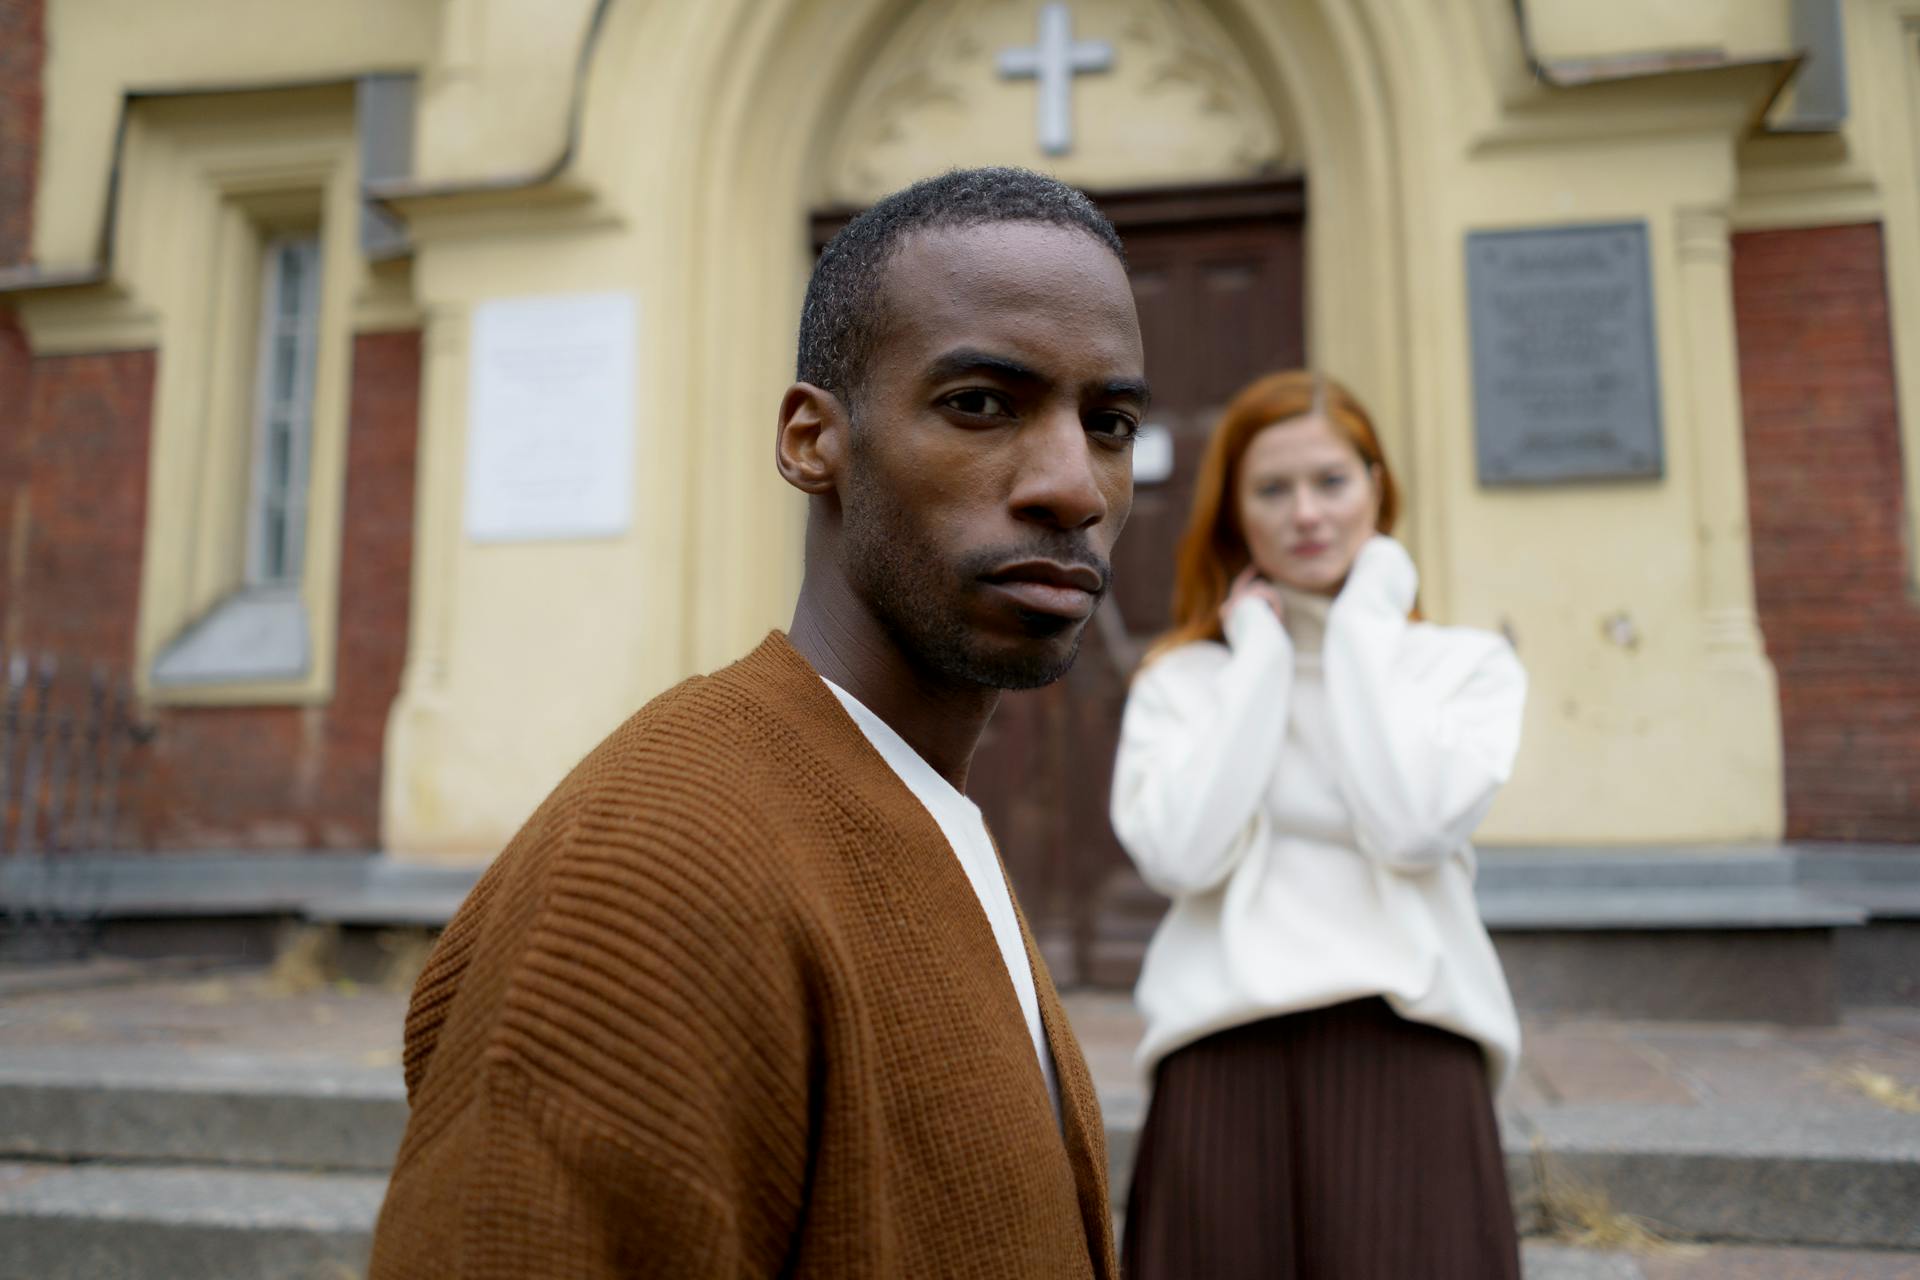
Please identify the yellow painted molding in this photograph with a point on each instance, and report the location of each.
(303, 692)
(386, 302)
(206, 181)
(1724, 98)
(558, 207)
(1889, 49)
(99, 52)
(1786, 208)
(78, 321)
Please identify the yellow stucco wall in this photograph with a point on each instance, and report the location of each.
(707, 132)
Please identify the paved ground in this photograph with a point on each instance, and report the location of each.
(1869, 1062)
(216, 1017)
(1863, 1074)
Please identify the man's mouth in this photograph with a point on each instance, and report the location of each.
(1047, 586)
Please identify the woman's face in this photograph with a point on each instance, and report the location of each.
(1307, 503)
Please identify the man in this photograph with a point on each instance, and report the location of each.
(748, 995)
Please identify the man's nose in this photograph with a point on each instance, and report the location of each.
(1056, 484)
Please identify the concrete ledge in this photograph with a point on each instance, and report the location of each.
(1884, 880)
(1557, 914)
(398, 894)
(1673, 887)
(105, 886)
(1675, 908)
(1644, 887)
(1709, 975)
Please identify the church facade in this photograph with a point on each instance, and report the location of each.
(387, 387)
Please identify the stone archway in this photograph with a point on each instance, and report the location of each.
(778, 83)
(897, 91)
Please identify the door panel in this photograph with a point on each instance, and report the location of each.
(1219, 291)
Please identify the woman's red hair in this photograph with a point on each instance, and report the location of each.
(1212, 550)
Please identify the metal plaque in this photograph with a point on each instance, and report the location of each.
(1566, 383)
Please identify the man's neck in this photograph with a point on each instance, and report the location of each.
(942, 721)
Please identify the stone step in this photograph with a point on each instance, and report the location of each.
(243, 1109)
(175, 1220)
(164, 1222)
(1543, 1260)
(167, 1222)
(1750, 1174)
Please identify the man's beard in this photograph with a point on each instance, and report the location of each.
(915, 593)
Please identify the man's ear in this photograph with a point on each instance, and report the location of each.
(811, 447)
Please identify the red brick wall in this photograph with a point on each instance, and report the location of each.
(73, 499)
(267, 777)
(22, 50)
(74, 434)
(212, 777)
(1832, 568)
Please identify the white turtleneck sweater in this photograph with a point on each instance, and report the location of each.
(1305, 794)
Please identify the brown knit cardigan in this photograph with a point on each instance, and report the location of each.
(728, 1006)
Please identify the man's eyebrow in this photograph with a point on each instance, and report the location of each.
(957, 364)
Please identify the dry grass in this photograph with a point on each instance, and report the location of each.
(333, 1270)
(305, 962)
(1580, 1215)
(406, 951)
(312, 959)
(1880, 1087)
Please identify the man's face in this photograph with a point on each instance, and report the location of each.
(991, 466)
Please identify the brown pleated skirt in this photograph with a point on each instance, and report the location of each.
(1344, 1143)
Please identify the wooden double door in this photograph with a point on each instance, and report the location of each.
(1218, 275)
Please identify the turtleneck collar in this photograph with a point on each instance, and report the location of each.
(1306, 618)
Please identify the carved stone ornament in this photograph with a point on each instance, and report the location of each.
(1178, 104)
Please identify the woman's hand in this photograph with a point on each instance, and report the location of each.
(1247, 584)
(1382, 578)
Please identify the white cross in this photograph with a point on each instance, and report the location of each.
(1054, 62)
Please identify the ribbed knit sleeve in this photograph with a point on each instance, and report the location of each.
(635, 1099)
(1424, 735)
(727, 1006)
(1199, 744)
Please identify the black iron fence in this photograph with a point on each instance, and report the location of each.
(70, 745)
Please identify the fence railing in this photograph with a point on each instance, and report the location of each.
(70, 742)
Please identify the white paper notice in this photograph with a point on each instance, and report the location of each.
(550, 418)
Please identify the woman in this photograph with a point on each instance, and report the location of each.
(1301, 765)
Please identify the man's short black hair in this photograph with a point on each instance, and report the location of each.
(845, 310)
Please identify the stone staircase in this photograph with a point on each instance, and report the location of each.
(144, 1162)
(220, 1126)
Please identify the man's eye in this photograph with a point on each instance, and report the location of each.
(981, 404)
(1115, 426)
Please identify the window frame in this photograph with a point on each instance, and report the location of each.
(224, 176)
(272, 327)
